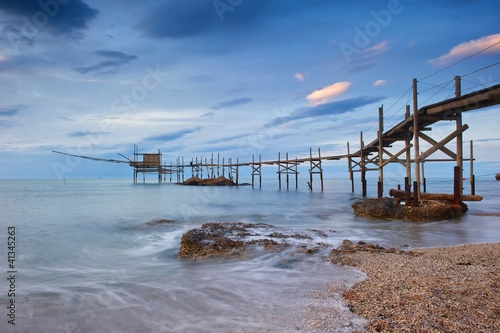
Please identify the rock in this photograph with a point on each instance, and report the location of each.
(387, 208)
(228, 240)
(221, 181)
(497, 176)
(159, 222)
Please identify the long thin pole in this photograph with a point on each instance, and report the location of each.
(472, 177)
(380, 151)
(458, 93)
(416, 142)
(349, 165)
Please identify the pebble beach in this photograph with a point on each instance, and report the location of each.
(450, 289)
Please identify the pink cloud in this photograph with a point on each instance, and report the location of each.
(469, 48)
(321, 96)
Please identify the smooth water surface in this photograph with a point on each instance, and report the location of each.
(87, 261)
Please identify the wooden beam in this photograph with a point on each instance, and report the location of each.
(443, 149)
(441, 143)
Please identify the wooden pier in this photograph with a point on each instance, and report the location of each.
(373, 156)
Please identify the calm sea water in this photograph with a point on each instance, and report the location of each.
(86, 260)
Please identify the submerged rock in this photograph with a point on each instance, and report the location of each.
(387, 208)
(236, 240)
(220, 181)
(160, 222)
(341, 256)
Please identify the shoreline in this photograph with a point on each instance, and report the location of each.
(440, 289)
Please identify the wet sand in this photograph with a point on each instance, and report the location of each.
(451, 289)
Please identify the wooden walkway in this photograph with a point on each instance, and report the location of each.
(373, 156)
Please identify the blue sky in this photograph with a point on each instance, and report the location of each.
(235, 77)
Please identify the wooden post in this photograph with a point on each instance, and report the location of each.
(458, 93)
(456, 185)
(296, 174)
(472, 179)
(407, 146)
(320, 168)
(349, 165)
(260, 171)
(310, 169)
(380, 152)
(218, 165)
(279, 171)
(408, 191)
(424, 182)
(416, 141)
(362, 165)
(287, 176)
(253, 170)
(415, 194)
(237, 170)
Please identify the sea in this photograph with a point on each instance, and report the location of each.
(78, 255)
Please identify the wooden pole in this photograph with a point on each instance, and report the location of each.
(349, 165)
(362, 165)
(458, 93)
(424, 182)
(407, 191)
(310, 169)
(237, 170)
(407, 146)
(320, 168)
(472, 179)
(416, 141)
(260, 171)
(380, 152)
(287, 175)
(253, 169)
(456, 185)
(279, 171)
(296, 174)
(218, 165)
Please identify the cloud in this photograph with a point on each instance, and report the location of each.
(377, 49)
(176, 19)
(379, 83)
(172, 136)
(327, 109)
(299, 76)
(233, 102)
(79, 134)
(114, 59)
(9, 111)
(321, 96)
(469, 48)
(58, 17)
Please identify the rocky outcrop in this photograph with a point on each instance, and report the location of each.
(243, 240)
(387, 208)
(221, 181)
(225, 240)
(341, 255)
(159, 222)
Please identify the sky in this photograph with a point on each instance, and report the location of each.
(232, 77)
